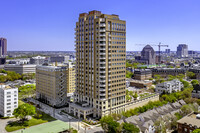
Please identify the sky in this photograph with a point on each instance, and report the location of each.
(48, 25)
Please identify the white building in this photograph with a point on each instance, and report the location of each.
(8, 100)
(169, 86)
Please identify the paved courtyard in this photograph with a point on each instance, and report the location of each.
(50, 127)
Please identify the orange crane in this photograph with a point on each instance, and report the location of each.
(159, 47)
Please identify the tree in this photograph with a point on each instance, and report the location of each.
(136, 95)
(196, 131)
(191, 75)
(23, 111)
(109, 125)
(129, 74)
(185, 83)
(116, 116)
(180, 76)
(160, 126)
(186, 109)
(194, 82)
(129, 128)
(131, 93)
(171, 77)
(128, 98)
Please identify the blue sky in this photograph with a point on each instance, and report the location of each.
(49, 24)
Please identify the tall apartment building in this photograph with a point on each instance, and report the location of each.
(100, 65)
(71, 73)
(182, 50)
(8, 100)
(3, 46)
(51, 85)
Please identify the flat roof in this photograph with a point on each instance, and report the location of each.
(6, 87)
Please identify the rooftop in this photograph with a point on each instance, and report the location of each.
(6, 87)
(191, 119)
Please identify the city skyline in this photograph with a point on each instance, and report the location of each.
(49, 25)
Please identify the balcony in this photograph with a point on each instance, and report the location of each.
(102, 85)
(102, 57)
(102, 19)
(102, 30)
(102, 94)
(102, 43)
(102, 80)
(102, 62)
(102, 76)
(102, 67)
(102, 53)
(103, 35)
(102, 39)
(102, 89)
(102, 25)
(102, 48)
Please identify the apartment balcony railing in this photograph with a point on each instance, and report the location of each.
(102, 30)
(102, 25)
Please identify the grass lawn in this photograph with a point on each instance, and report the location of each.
(17, 125)
(20, 102)
(50, 127)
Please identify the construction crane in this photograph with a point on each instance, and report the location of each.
(159, 47)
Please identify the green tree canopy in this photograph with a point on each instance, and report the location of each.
(196, 131)
(109, 125)
(129, 128)
(23, 111)
(194, 82)
(191, 75)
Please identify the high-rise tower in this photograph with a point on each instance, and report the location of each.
(100, 65)
(182, 50)
(3, 46)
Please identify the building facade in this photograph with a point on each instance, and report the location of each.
(142, 74)
(8, 100)
(100, 65)
(148, 55)
(196, 91)
(182, 51)
(51, 85)
(20, 68)
(189, 123)
(169, 86)
(165, 72)
(71, 79)
(38, 60)
(3, 46)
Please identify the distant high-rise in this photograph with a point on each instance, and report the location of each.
(100, 65)
(3, 46)
(148, 55)
(182, 50)
(167, 51)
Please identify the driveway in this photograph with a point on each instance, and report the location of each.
(3, 123)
